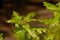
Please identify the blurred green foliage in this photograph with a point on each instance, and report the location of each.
(54, 22)
(1, 36)
(23, 30)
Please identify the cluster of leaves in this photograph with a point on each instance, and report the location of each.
(54, 23)
(23, 31)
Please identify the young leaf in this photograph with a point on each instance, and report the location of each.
(29, 16)
(51, 6)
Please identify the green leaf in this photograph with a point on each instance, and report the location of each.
(46, 21)
(1, 38)
(50, 37)
(55, 21)
(39, 31)
(29, 16)
(51, 6)
(15, 14)
(20, 35)
(15, 18)
(17, 25)
(9, 21)
(27, 28)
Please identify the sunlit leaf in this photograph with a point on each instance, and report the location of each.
(46, 21)
(16, 25)
(29, 16)
(20, 35)
(51, 6)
